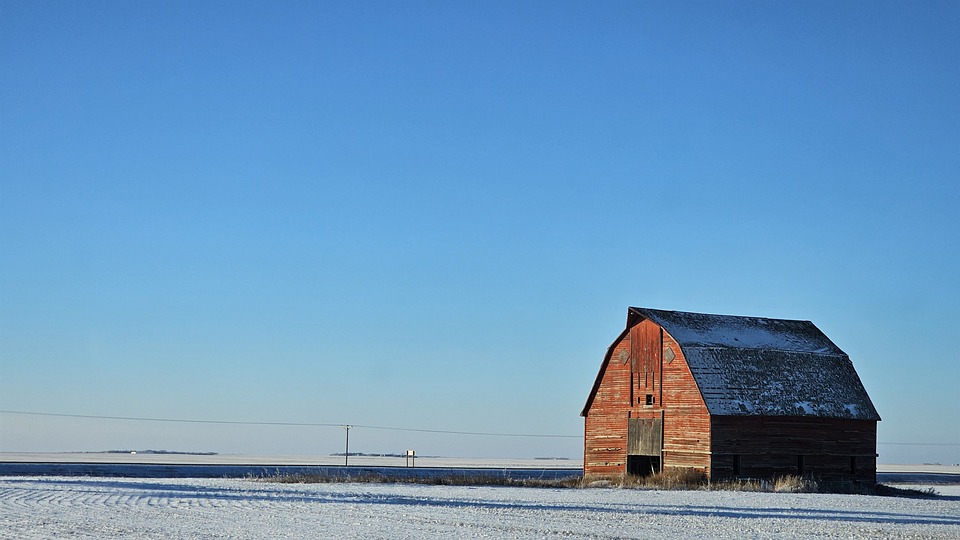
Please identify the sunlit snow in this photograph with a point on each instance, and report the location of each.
(103, 508)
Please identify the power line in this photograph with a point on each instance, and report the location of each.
(301, 424)
(385, 428)
(175, 420)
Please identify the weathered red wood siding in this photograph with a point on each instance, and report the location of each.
(770, 446)
(686, 424)
(638, 383)
(605, 424)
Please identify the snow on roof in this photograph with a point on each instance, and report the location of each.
(703, 330)
(758, 366)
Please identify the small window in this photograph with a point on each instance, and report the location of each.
(736, 465)
(649, 399)
(800, 467)
(853, 464)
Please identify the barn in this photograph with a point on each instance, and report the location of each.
(730, 396)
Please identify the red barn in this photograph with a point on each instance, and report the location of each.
(729, 396)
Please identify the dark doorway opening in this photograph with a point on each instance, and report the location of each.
(643, 465)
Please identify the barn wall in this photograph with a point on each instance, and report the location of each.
(769, 446)
(686, 424)
(638, 382)
(605, 425)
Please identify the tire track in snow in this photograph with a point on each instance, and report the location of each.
(94, 508)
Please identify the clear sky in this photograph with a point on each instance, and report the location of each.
(435, 214)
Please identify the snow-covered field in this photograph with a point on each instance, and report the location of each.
(89, 507)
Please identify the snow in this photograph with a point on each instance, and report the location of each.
(778, 383)
(806, 406)
(705, 330)
(90, 507)
(773, 367)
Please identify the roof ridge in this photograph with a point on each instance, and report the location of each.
(701, 314)
(726, 347)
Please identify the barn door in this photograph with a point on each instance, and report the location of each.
(644, 436)
(644, 444)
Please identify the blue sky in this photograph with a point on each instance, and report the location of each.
(435, 214)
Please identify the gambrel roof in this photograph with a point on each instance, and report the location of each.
(758, 366)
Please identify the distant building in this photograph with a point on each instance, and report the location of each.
(729, 396)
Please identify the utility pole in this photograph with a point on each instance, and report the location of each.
(346, 452)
